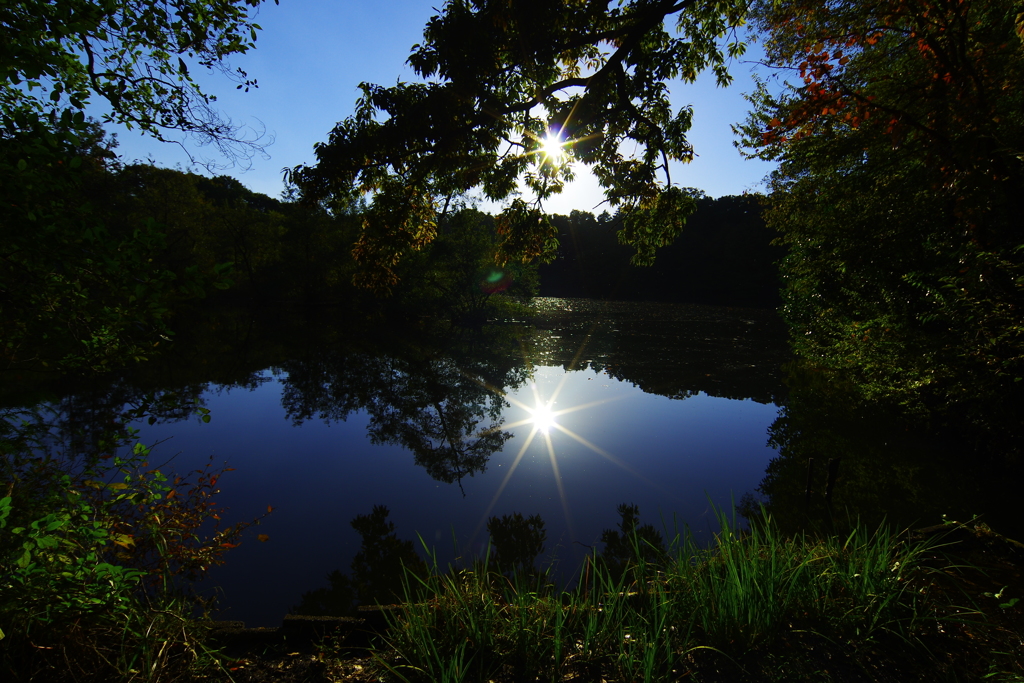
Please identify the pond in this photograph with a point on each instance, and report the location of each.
(666, 407)
(422, 435)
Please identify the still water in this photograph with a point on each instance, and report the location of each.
(592, 405)
(580, 408)
(583, 407)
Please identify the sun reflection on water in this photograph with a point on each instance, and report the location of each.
(542, 418)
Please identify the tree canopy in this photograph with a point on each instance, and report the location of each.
(76, 291)
(509, 92)
(57, 57)
(900, 191)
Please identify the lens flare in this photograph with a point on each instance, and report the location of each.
(543, 417)
(553, 149)
(496, 281)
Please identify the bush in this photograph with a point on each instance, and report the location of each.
(96, 560)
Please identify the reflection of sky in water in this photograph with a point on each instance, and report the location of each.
(670, 456)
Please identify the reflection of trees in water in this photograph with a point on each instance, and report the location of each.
(517, 541)
(450, 421)
(909, 469)
(631, 542)
(446, 408)
(215, 351)
(328, 385)
(92, 422)
(384, 563)
(671, 350)
(441, 399)
(377, 570)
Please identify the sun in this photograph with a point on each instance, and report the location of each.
(553, 149)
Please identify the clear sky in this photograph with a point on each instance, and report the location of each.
(312, 54)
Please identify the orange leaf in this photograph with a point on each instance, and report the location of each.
(263, 538)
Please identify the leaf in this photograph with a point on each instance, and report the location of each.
(123, 540)
(263, 538)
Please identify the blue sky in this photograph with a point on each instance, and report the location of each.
(312, 54)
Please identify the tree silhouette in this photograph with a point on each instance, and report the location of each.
(899, 194)
(632, 542)
(517, 541)
(500, 79)
(379, 570)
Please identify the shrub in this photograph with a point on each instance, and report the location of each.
(96, 560)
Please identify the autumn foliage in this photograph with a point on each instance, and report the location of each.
(899, 128)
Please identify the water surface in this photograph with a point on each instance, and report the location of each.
(663, 406)
(666, 407)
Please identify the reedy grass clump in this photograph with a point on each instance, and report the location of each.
(748, 588)
(650, 620)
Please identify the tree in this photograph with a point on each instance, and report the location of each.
(455, 277)
(509, 90)
(130, 53)
(900, 191)
(72, 293)
(172, 199)
(632, 544)
(246, 226)
(316, 245)
(725, 257)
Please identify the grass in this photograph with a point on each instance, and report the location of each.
(144, 644)
(867, 605)
(757, 605)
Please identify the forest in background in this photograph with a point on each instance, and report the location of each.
(725, 256)
(181, 237)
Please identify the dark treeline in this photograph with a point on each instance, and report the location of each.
(145, 241)
(287, 249)
(272, 250)
(380, 569)
(724, 257)
(117, 250)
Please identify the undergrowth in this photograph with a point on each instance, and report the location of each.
(98, 552)
(756, 605)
